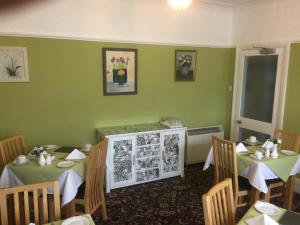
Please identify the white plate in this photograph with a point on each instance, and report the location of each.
(65, 164)
(77, 220)
(20, 164)
(267, 208)
(288, 152)
(48, 147)
(253, 156)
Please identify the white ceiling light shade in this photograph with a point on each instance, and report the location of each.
(179, 4)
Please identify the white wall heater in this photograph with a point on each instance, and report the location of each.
(199, 142)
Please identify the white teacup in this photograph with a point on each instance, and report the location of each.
(258, 154)
(21, 159)
(252, 139)
(87, 147)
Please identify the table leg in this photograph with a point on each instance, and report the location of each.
(289, 193)
(70, 209)
(254, 195)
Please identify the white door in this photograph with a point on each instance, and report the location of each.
(257, 93)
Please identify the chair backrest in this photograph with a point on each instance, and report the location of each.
(30, 203)
(218, 204)
(290, 140)
(225, 163)
(10, 148)
(94, 193)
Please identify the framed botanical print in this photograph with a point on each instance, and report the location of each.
(119, 71)
(13, 64)
(185, 65)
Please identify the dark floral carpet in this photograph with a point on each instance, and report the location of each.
(172, 201)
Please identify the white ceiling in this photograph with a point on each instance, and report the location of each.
(227, 2)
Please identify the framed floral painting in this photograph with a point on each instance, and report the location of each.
(185, 65)
(13, 64)
(119, 71)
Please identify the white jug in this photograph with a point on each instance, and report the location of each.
(42, 160)
(48, 159)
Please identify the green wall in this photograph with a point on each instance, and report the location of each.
(63, 103)
(292, 104)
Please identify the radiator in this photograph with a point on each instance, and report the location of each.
(199, 142)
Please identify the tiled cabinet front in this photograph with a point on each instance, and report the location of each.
(147, 156)
(171, 157)
(121, 154)
(142, 157)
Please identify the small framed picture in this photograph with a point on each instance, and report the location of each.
(185, 65)
(13, 64)
(119, 71)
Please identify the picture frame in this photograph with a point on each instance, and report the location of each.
(119, 71)
(13, 64)
(185, 65)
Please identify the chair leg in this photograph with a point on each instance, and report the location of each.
(289, 193)
(103, 207)
(267, 196)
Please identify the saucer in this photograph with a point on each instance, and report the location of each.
(253, 156)
(15, 162)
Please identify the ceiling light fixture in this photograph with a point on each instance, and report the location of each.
(179, 4)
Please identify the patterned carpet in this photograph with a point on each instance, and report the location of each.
(173, 201)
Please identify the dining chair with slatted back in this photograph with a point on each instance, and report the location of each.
(93, 197)
(225, 166)
(218, 204)
(290, 141)
(11, 147)
(30, 203)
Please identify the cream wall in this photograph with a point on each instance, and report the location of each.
(146, 21)
(266, 21)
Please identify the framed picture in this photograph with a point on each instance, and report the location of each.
(119, 71)
(185, 65)
(13, 64)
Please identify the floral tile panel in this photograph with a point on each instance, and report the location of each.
(122, 160)
(147, 163)
(170, 154)
(148, 139)
(146, 175)
(147, 151)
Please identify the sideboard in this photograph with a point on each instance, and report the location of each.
(142, 153)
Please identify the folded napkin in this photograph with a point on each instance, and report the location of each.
(263, 219)
(75, 154)
(268, 144)
(241, 148)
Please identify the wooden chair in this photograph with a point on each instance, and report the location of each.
(225, 166)
(93, 189)
(218, 204)
(27, 199)
(290, 141)
(10, 148)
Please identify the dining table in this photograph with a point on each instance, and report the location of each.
(258, 171)
(284, 217)
(69, 177)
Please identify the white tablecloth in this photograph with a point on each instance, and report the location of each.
(257, 173)
(69, 182)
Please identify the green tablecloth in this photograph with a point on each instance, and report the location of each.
(281, 166)
(33, 173)
(61, 221)
(252, 212)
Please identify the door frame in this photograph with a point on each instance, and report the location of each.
(282, 77)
